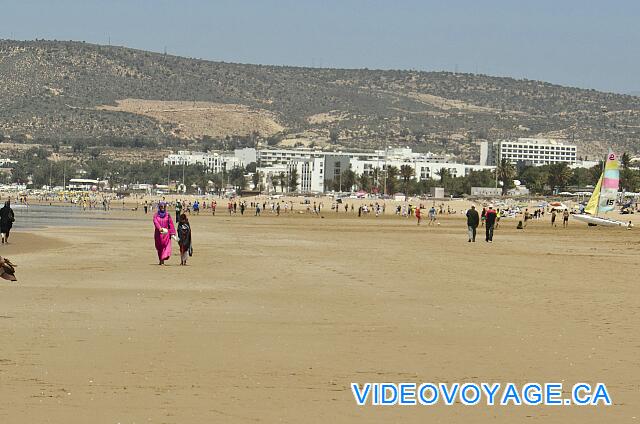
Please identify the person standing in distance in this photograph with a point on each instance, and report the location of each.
(6, 221)
(473, 220)
(490, 221)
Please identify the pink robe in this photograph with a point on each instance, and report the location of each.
(163, 241)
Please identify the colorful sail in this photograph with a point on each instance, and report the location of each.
(610, 184)
(592, 206)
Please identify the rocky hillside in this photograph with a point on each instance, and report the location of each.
(64, 92)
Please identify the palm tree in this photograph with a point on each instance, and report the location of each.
(256, 179)
(348, 178)
(625, 160)
(364, 182)
(218, 181)
(505, 172)
(391, 179)
(283, 182)
(376, 177)
(628, 177)
(275, 180)
(444, 175)
(559, 175)
(406, 173)
(293, 179)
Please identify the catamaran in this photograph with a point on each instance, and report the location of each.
(604, 196)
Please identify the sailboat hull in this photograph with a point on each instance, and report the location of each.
(601, 221)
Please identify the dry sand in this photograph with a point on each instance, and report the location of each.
(275, 316)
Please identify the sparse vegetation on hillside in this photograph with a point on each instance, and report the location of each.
(55, 92)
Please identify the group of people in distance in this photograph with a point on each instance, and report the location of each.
(473, 221)
(165, 230)
(490, 217)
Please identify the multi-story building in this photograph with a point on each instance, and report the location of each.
(537, 151)
(310, 175)
(310, 172)
(487, 153)
(423, 170)
(213, 161)
(270, 157)
(320, 171)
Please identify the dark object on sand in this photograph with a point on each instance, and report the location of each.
(7, 269)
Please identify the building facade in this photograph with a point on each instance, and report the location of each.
(487, 153)
(319, 171)
(213, 161)
(537, 151)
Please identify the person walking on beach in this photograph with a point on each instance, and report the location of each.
(418, 214)
(490, 221)
(178, 209)
(483, 215)
(565, 218)
(6, 221)
(473, 220)
(164, 231)
(184, 239)
(432, 215)
(553, 217)
(213, 208)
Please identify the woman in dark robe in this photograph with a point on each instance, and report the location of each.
(184, 239)
(6, 221)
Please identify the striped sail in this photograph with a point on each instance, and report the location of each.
(610, 184)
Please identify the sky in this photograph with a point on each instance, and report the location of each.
(588, 44)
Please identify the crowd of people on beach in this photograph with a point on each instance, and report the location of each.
(177, 227)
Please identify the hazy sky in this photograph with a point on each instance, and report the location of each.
(591, 44)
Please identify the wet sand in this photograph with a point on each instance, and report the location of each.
(275, 316)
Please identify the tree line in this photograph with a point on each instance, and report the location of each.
(34, 165)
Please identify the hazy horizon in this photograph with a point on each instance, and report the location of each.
(570, 44)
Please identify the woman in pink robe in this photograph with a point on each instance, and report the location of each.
(164, 230)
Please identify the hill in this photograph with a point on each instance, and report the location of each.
(55, 92)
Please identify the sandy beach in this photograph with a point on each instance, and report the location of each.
(274, 317)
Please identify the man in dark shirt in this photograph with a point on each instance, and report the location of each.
(473, 219)
(490, 223)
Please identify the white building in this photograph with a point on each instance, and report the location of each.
(246, 155)
(213, 161)
(584, 164)
(315, 168)
(310, 173)
(486, 191)
(7, 162)
(270, 157)
(423, 170)
(537, 151)
(487, 153)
